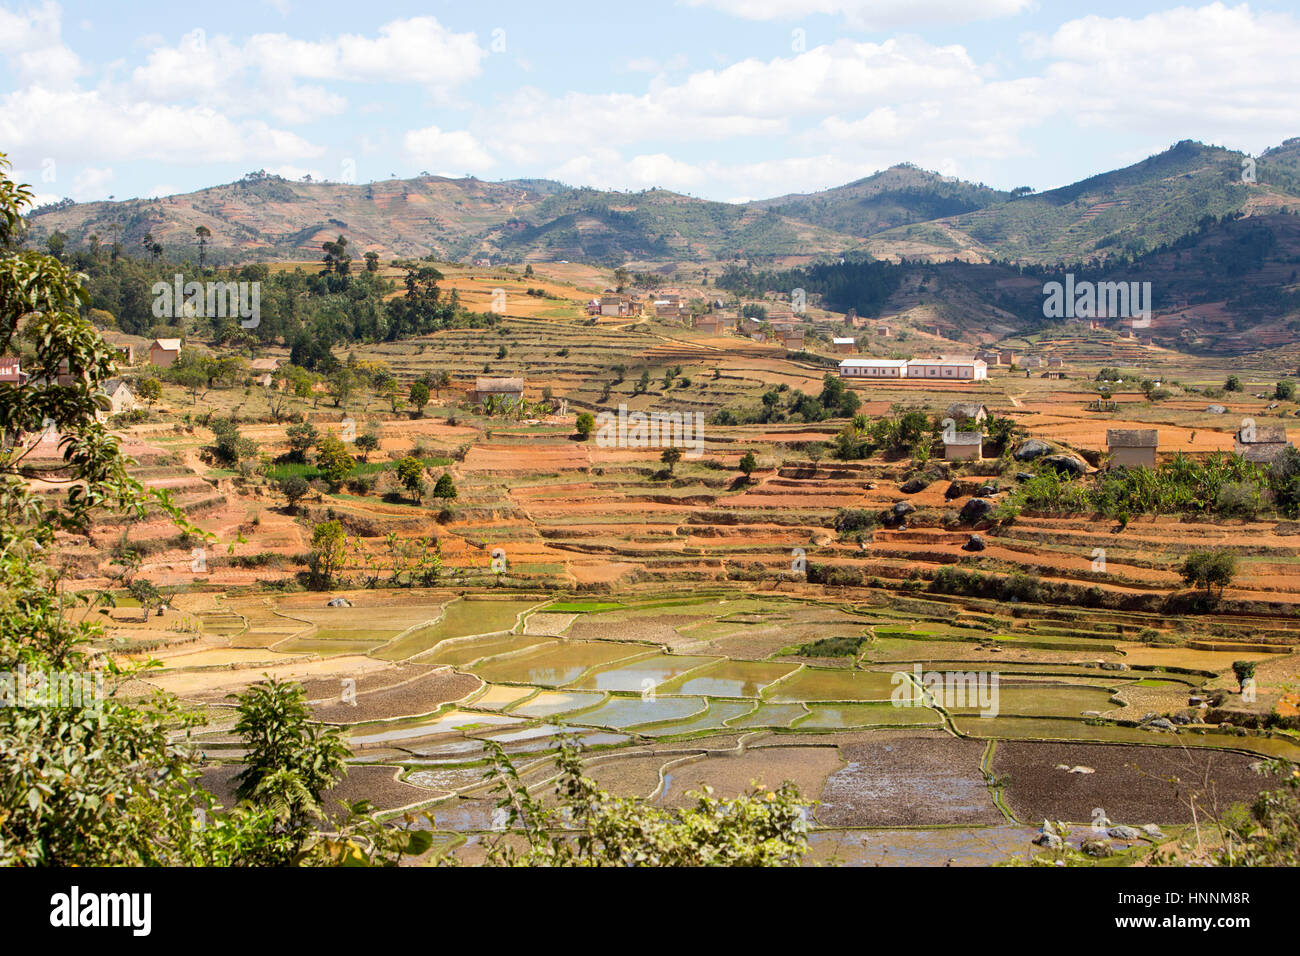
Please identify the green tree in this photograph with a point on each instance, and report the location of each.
(149, 389)
(302, 438)
(1243, 671)
(229, 446)
(585, 425)
(419, 395)
(146, 593)
(1209, 569)
(444, 487)
(1233, 384)
(748, 463)
(100, 782)
(670, 457)
(289, 761)
(342, 382)
(334, 460)
(1284, 391)
(294, 488)
(367, 442)
(410, 472)
(328, 549)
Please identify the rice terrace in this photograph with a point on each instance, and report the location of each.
(425, 521)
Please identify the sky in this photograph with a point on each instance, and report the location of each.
(723, 99)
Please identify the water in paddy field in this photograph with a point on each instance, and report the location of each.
(980, 846)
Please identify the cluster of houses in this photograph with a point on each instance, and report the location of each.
(957, 369)
(660, 305)
(1137, 447)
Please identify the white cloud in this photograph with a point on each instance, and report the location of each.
(91, 182)
(81, 126)
(1215, 73)
(262, 74)
(31, 39)
(447, 153)
(871, 14)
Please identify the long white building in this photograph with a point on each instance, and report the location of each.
(965, 369)
(873, 368)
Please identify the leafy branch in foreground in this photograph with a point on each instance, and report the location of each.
(589, 827)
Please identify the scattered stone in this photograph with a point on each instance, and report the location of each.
(976, 543)
(1047, 838)
(984, 491)
(1024, 475)
(1097, 847)
(1066, 465)
(1082, 769)
(1153, 831)
(976, 509)
(1160, 723)
(338, 602)
(1123, 833)
(1114, 666)
(1216, 409)
(1031, 449)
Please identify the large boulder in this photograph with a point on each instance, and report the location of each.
(338, 602)
(957, 489)
(1047, 837)
(986, 491)
(976, 509)
(975, 543)
(1097, 848)
(1216, 409)
(1067, 465)
(1122, 832)
(913, 485)
(1032, 448)
(903, 508)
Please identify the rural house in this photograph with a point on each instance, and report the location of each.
(11, 371)
(1260, 444)
(1132, 447)
(615, 305)
(792, 339)
(967, 411)
(712, 323)
(963, 446)
(164, 352)
(120, 398)
(501, 388)
(845, 343)
(263, 370)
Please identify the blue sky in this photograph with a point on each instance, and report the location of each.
(724, 99)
